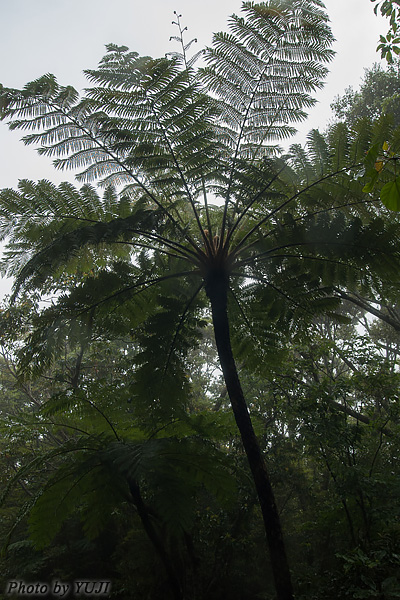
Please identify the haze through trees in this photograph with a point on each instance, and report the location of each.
(202, 224)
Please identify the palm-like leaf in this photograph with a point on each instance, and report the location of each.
(264, 70)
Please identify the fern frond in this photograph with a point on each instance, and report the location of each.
(266, 68)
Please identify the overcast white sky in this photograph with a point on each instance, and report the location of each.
(64, 37)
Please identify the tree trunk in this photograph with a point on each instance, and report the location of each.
(155, 539)
(217, 292)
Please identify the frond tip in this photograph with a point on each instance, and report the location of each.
(265, 70)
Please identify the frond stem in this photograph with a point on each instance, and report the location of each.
(293, 245)
(125, 169)
(246, 320)
(93, 405)
(149, 247)
(186, 252)
(241, 133)
(262, 257)
(253, 201)
(274, 287)
(148, 283)
(181, 321)
(285, 203)
(183, 179)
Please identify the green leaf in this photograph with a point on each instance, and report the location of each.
(373, 177)
(390, 195)
(372, 155)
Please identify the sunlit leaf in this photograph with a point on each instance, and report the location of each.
(390, 194)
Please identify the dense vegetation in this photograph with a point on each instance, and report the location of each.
(204, 355)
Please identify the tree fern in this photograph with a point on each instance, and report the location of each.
(160, 256)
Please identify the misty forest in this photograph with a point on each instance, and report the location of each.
(199, 359)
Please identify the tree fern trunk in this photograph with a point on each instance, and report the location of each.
(217, 291)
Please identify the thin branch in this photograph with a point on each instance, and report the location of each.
(162, 427)
(313, 214)
(364, 305)
(75, 483)
(206, 207)
(376, 452)
(154, 248)
(186, 252)
(222, 395)
(346, 360)
(171, 243)
(25, 388)
(359, 417)
(21, 483)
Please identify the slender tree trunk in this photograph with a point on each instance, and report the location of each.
(217, 292)
(155, 540)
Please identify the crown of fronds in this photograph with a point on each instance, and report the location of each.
(153, 125)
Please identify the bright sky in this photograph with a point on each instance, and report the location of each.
(64, 37)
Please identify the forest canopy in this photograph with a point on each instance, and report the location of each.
(199, 359)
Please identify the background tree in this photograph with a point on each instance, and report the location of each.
(389, 44)
(378, 93)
